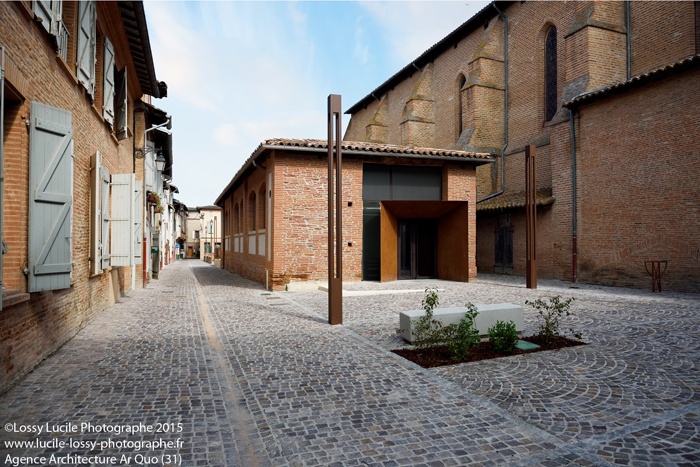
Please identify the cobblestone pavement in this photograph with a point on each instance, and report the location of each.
(234, 375)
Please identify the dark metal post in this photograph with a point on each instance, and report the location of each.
(335, 268)
(531, 218)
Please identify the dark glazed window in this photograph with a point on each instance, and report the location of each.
(550, 74)
(460, 110)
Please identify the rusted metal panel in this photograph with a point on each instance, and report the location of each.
(530, 219)
(335, 242)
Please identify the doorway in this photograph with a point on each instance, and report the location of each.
(417, 249)
(504, 246)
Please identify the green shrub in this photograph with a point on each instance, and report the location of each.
(551, 313)
(503, 336)
(462, 337)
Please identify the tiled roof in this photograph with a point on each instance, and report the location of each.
(693, 60)
(353, 147)
(357, 149)
(515, 200)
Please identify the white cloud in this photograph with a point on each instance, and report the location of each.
(413, 27)
(361, 51)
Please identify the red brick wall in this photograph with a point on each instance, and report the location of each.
(41, 322)
(638, 192)
(662, 33)
(301, 218)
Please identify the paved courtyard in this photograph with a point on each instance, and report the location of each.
(205, 368)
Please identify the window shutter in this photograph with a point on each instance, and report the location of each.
(50, 198)
(122, 219)
(87, 24)
(95, 221)
(105, 218)
(108, 84)
(42, 10)
(121, 104)
(138, 215)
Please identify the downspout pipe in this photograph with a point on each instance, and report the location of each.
(505, 107)
(628, 29)
(574, 224)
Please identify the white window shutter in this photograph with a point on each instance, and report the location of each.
(95, 220)
(56, 16)
(43, 11)
(122, 105)
(137, 222)
(122, 219)
(108, 83)
(104, 218)
(87, 24)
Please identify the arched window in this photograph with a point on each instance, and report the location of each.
(236, 219)
(252, 225)
(262, 207)
(460, 105)
(551, 100)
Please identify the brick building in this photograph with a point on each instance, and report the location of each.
(407, 212)
(607, 92)
(76, 79)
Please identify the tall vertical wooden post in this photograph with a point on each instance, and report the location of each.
(531, 218)
(335, 264)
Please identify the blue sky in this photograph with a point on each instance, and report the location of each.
(240, 72)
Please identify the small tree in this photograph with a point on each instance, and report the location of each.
(551, 313)
(428, 331)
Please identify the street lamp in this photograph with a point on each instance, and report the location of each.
(160, 161)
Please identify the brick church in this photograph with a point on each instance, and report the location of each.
(608, 93)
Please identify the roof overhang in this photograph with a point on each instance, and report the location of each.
(134, 19)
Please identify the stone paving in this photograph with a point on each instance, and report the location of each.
(233, 375)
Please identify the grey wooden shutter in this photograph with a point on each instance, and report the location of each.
(42, 9)
(50, 198)
(104, 218)
(56, 16)
(87, 24)
(49, 12)
(122, 219)
(122, 104)
(95, 222)
(137, 222)
(108, 83)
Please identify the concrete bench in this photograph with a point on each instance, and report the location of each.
(487, 317)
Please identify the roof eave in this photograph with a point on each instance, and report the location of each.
(134, 19)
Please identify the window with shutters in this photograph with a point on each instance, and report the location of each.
(48, 14)
(121, 102)
(550, 74)
(86, 45)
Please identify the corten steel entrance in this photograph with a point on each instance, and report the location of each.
(417, 249)
(412, 224)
